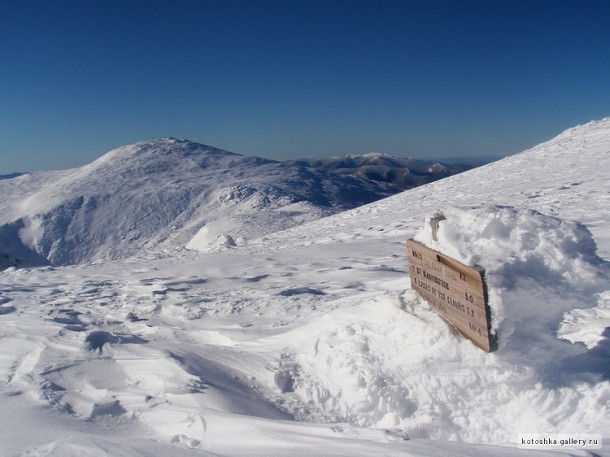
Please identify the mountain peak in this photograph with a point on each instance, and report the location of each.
(369, 155)
(163, 146)
(169, 156)
(160, 193)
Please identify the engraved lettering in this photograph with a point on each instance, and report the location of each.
(435, 279)
(452, 289)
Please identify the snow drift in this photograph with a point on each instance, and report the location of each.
(413, 371)
(309, 340)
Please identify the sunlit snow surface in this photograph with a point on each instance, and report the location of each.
(310, 342)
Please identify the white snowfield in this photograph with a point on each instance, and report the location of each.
(309, 341)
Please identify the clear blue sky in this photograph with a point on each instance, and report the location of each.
(286, 79)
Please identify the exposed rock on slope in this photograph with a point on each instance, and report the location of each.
(164, 194)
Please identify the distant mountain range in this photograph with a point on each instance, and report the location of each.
(404, 173)
(171, 194)
(11, 175)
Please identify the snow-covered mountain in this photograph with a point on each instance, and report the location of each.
(164, 194)
(404, 173)
(310, 341)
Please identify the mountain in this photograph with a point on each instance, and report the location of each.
(404, 173)
(10, 175)
(310, 341)
(164, 194)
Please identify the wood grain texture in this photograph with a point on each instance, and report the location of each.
(454, 290)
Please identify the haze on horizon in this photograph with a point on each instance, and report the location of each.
(288, 79)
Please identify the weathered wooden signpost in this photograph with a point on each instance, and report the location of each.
(454, 290)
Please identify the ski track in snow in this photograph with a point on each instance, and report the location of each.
(310, 340)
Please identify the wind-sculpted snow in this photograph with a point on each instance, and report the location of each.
(385, 368)
(310, 341)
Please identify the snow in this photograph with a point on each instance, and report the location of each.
(310, 340)
(158, 195)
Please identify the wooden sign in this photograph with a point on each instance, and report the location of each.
(454, 290)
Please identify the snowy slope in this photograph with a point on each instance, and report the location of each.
(165, 194)
(565, 177)
(310, 342)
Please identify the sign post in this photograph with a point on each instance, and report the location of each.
(454, 290)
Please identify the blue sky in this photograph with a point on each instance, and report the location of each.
(287, 79)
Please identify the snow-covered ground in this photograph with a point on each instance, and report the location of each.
(309, 341)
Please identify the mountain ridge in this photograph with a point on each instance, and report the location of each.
(403, 172)
(159, 194)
